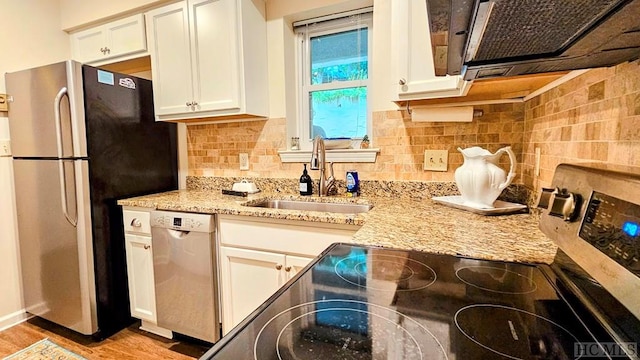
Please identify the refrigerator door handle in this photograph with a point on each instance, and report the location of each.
(63, 193)
(56, 110)
(61, 172)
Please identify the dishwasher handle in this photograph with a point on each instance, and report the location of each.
(182, 222)
(178, 234)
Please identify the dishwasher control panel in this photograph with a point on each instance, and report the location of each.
(182, 221)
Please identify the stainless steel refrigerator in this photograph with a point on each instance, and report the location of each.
(82, 138)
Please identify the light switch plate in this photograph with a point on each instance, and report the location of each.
(244, 161)
(4, 103)
(5, 147)
(436, 160)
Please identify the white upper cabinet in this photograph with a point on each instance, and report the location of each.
(208, 59)
(414, 64)
(168, 30)
(118, 40)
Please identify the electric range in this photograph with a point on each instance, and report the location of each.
(358, 302)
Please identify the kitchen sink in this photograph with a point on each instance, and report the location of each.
(343, 208)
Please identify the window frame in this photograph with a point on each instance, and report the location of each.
(342, 23)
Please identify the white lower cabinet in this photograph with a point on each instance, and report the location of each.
(249, 277)
(140, 276)
(258, 256)
(294, 264)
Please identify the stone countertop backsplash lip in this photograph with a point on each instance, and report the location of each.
(368, 188)
(404, 223)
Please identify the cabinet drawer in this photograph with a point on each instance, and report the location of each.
(137, 222)
(283, 236)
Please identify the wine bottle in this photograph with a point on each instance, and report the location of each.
(306, 184)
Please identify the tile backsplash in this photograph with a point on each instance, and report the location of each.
(213, 148)
(593, 117)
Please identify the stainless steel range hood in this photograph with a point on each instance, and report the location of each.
(491, 38)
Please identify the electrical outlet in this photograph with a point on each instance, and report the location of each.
(436, 160)
(4, 104)
(5, 147)
(244, 161)
(536, 169)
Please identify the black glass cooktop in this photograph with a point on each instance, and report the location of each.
(372, 303)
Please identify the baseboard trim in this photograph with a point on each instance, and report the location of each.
(155, 329)
(13, 319)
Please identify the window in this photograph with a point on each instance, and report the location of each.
(334, 76)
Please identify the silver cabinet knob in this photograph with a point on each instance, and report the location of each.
(189, 103)
(278, 266)
(136, 223)
(287, 268)
(146, 247)
(402, 81)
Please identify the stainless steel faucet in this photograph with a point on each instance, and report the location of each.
(318, 162)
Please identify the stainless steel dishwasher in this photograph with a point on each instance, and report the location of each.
(184, 265)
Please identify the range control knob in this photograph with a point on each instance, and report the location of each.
(545, 197)
(565, 205)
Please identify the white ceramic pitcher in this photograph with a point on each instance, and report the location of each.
(480, 179)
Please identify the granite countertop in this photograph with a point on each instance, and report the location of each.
(400, 223)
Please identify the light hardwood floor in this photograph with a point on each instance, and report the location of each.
(130, 343)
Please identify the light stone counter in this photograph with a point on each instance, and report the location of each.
(399, 223)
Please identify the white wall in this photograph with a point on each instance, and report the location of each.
(31, 37)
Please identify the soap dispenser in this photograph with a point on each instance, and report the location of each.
(306, 184)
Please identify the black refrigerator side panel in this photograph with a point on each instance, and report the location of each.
(129, 155)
